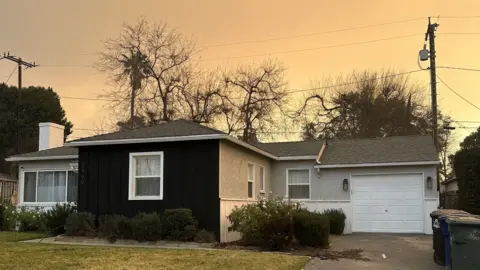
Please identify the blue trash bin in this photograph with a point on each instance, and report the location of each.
(446, 237)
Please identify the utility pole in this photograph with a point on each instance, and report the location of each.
(433, 78)
(424, 56)
(20, 63)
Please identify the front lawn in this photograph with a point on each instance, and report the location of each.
(49, 256)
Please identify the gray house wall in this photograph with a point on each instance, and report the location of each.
(327, 185)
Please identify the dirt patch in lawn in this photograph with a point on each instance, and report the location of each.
(323, 254)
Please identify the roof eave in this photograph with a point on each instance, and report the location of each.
(16, 159)
(172, 139)
(297, 158)
(383, 164)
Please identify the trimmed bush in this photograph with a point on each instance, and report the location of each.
(113, 227)
(337, 220)
(311, 229)
(268, 222)
(80, 224)
(204, 236)
(179, 224)
(55, 218)
(147, 227)
(29, 220)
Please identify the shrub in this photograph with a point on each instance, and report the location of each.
(179, 224)
(29, 219)
(80, 224)
(113, 227)
(55, 218)
(268, 222)
(467, 170)
(311, 229)
(147, 227)
(8, 217)
(2, 217)
(337, 220)
(204, 236)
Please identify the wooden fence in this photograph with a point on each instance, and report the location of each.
(7, 190)
(449, 201)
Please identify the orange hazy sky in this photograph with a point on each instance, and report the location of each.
(63, 37)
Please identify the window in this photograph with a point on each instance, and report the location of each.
(50, 186)
(262, 179)
(146, 176)
(251, 180)
(298, 183)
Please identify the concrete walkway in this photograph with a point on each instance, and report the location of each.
(84, 241)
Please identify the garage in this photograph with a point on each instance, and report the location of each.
(387, 203)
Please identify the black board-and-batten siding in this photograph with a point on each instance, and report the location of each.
(190, 180)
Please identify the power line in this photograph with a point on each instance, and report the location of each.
(465, 121)
(460, 68)
(460, 96)
(291, 91)
(15, 68)
(460, 33)
(311, 49)
(354, 82)
(460, 17)
(87, 98)
(311, 34)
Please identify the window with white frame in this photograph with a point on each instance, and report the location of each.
(251, 179)
(146, 176)
(298, 183)
(50, 186)
(262, 179)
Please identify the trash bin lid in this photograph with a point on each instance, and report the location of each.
(464, 220)
(446, 212)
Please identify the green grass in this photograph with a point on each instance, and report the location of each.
(50, 256)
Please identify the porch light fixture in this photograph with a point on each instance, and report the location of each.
(429, 182)
(345, 184)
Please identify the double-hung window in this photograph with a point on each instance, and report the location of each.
(50, 186)
(251, 180)
(146, 176)
(298, 183)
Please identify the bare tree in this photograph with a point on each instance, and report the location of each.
(164, 57)
(251, 98)
(368, 104)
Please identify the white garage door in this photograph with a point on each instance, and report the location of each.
(387, 203)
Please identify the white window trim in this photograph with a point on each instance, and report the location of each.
(309, 183)
(262, 179)
(21, 188)
(131, 177)
(251, 180)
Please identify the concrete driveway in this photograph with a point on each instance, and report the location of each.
(401, 251)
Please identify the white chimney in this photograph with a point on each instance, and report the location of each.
(50, 135)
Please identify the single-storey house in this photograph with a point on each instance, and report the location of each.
(383, 185)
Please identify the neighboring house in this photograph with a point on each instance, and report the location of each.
(383, 185)
(47, 177)
(449, 186)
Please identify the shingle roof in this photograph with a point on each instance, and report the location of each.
(382, 150)
(52, 152)
(292, 149)
(169, 129)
